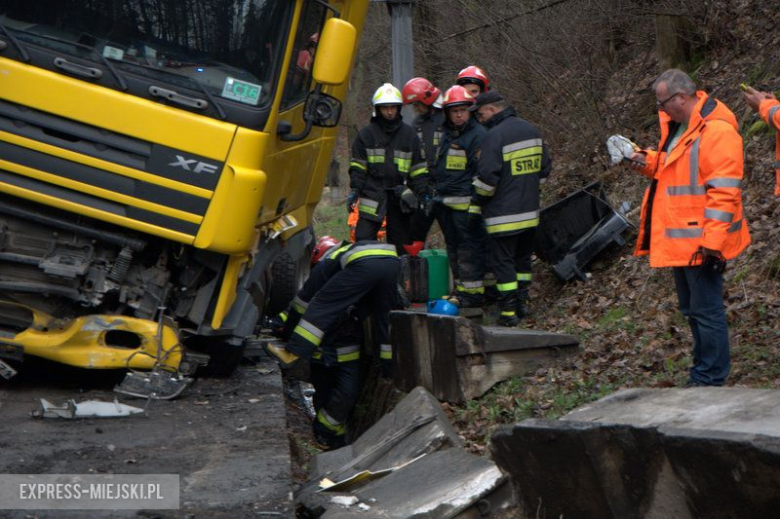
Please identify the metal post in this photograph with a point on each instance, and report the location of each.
(403, 54)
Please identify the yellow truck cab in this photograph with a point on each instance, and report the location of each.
(157, 157)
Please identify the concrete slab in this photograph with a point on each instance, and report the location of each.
(416, 426)
(457, 359)
(704, 452)
(738, 410)
(433, 476)
(443, 484)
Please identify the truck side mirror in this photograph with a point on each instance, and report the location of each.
(335, 52)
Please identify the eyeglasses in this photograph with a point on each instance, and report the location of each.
(660, 104)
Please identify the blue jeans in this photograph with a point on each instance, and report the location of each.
(700, 292)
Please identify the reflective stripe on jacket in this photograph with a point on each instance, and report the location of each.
(695, 199)
(314, 282)
(381, 161)
(769, 110)
(456, 165)
(512, 162)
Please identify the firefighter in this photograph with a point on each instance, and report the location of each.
(692, 217)
(474, 80)
(422, 95)
(456, 168)
(768, 108)
(388, 174)
(282, 325)
(335, 367)
(512, 162)
(353, 281)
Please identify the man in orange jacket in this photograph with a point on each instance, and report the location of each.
(692, 217)
(768, 108)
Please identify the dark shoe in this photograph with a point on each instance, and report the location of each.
(522, 310)
(522, 300)
(508, 321)
(471, 301)
(693, 383)
(327, 442)
(327, 439)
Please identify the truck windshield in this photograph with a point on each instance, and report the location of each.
(224, 54)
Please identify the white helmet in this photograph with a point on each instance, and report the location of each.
(387, 94)
(439, 102)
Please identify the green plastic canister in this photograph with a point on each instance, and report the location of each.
(438, 272)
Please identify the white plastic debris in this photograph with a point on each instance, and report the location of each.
(85, 409)
(344, 500)
(620, 148)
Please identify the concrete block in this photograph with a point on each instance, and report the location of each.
(415, 427)
(645, 453)
(457, 359)
(443, 484)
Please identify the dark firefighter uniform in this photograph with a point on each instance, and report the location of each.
(387, 167)
(429, 128)
(465, 237)
(350, 283)
(512, 164)
(284, 323)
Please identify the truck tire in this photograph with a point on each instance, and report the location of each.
(287, 277)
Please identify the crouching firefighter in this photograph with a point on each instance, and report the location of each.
(324, 326)
(455, 170)
(388, 175)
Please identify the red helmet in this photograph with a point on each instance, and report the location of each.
(457, 96)
(325, 243)
(474, 74)
(420, 89)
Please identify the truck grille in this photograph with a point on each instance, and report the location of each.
(45, 157)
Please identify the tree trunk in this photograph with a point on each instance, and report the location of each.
(673, 45)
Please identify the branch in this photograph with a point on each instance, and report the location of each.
(503, 20)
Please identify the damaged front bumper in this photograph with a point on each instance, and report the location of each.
(93, 341)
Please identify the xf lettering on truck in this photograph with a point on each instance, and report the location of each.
(187, 164)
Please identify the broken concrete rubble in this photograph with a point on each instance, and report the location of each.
(416, 426)
(423, 470)
(458, 360)
(442, 484)
(644, 453)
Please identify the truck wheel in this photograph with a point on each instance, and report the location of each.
(287, 277)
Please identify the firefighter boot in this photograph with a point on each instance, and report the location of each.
(507, 303)
(522, 300)
(471, 300)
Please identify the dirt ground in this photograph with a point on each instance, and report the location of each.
(226, 439)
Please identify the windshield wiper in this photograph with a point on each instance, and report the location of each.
(220, 111)
(19, 47)
(103, 59)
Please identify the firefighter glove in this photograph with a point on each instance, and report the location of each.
(408, 200)
(352, 199)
